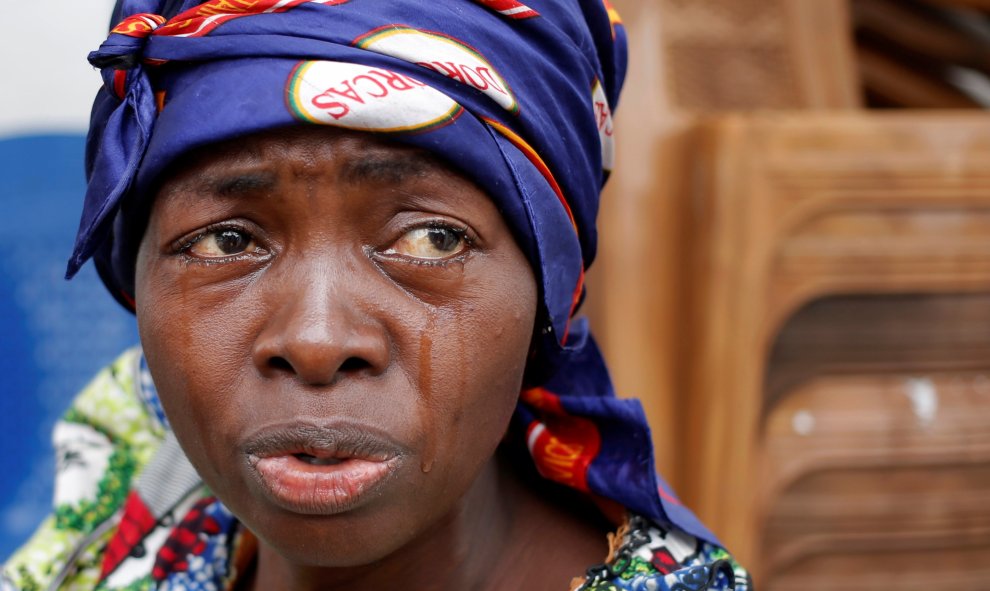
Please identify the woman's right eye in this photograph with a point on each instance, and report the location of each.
(222, 242)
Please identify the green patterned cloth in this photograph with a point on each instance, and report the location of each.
(101, 444)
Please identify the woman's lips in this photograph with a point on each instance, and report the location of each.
(316, 469)
(311, 489)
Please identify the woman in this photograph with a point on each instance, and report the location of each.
(353, 233)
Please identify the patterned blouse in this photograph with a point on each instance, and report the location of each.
(132, 514)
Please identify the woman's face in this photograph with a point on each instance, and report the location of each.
(337, 327)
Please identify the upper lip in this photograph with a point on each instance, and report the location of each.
(323, 439)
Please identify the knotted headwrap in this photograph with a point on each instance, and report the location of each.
(517, 96)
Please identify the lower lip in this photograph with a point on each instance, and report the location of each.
(309, 489)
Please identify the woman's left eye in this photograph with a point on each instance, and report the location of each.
(224, 242)
(430, 243)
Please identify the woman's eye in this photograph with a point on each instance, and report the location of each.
(222, 243)
(433, 242)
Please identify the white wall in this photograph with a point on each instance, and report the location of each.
(46, 85)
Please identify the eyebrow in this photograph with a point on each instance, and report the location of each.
(390, 168)
(383, 168)
(236, 185)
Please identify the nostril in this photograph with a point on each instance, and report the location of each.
(280, 363)
(354, 364)
(351, 364)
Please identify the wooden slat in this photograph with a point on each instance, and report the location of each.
(908, 28)
(983, 5)
(846, 335)
(904, 86)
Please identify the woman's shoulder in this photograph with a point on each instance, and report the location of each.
(646, 556)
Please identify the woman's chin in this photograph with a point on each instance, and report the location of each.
(339, 541)
(349, 527)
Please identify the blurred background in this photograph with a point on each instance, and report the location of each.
(794, 274)
(795, 278)
(54, 335)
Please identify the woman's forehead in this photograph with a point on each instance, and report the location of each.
(291, 170)
(248, 163)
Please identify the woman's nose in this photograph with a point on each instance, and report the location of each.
(320, 329)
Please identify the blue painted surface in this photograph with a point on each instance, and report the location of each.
(54, 335)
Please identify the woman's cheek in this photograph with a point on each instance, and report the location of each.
(482, 373)
(189, 348)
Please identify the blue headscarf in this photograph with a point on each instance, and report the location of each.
(517, 96)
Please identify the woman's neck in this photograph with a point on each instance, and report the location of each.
(503, 535)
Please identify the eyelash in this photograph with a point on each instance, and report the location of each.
(462, 232)
(182, 246)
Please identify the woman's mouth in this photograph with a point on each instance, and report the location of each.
(320, 469)
(316, 461)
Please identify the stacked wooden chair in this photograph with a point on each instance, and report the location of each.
(800, 291)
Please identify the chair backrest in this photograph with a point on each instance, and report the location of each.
(690, 58)
(758, 54)
(840, 297)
